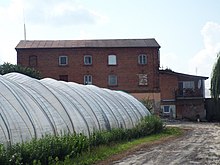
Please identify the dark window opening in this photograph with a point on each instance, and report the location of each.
(63, 78)
(32, 61)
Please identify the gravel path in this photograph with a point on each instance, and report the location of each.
(201, 145)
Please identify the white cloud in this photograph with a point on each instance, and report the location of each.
(205, 58)
(84, 35)
(60, 13)
(11, 30)
(211, 35)
(45, 19)
(13, 11)
(168, 60)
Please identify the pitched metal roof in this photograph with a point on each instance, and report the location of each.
(25, 44)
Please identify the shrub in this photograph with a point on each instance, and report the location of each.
(51, 149)
(149, 104)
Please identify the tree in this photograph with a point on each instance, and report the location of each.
(8, 68)
(215, 79)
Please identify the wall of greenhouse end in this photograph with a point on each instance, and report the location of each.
(31, 108)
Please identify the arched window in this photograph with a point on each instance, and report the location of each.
(112, 60)
(32, 61)
(142, 59)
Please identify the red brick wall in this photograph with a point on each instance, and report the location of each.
(189, 109)
(168, 85)
(126, 69)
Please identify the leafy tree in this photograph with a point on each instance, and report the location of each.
(8, 68)
(215, 79)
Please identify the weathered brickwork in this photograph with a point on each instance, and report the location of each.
(193, 109)
(168, 85)
(126, 69)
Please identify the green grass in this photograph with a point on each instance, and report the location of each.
(80, 149)
(103, 152)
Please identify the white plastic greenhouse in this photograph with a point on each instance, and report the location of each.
(31, 108)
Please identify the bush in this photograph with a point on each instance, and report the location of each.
(51, 149)
(149, 104)
(150, 125)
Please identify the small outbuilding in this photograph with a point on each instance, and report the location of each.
(182, 95)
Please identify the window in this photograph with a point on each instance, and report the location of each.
(112, 60)
(142, 59)
(87, 79)
(142, 79)
(166, 109)
(187, 85)
(186, 88)
(63, 60)
(88, 60)
(32, 61)
(112, 80)
(63, 78)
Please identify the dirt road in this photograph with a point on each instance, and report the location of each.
(201, 145)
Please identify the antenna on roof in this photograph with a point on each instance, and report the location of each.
(24, 26)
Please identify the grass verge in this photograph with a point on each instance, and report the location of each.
(80, 149)
(104, 152)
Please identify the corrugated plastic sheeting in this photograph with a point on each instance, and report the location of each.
(119, 111)
(32, 108)
(47, 100)
(24, 114)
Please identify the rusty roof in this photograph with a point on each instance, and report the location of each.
(28, 44)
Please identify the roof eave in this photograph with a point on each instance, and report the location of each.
(181, 74)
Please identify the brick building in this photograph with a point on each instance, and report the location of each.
(130, 65)
(182, 95)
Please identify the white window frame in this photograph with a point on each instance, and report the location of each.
(87, 79)
(114, 79)
(142, 59)
(168, 106)
(112, 59)
(60, 60)
(88, 62)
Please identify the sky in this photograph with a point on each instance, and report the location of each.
(188, 31)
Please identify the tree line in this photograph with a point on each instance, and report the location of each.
(215, 79)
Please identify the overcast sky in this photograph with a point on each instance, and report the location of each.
(187, 30)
